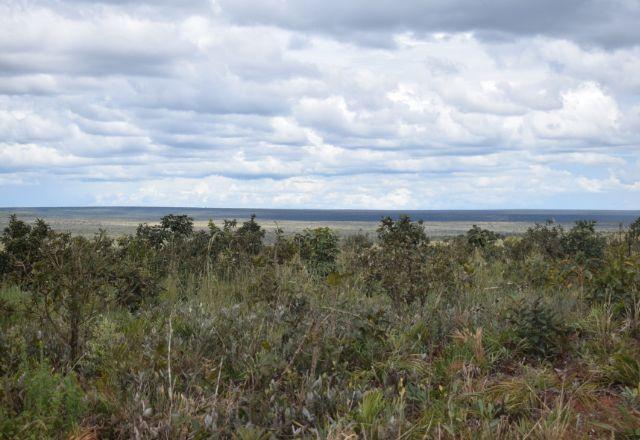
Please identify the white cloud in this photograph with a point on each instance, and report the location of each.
(276, 104)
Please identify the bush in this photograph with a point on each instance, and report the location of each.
(177, 225)
(399, 261)
(318, 249)
(583, 243)
(538, 331)
(624, 367)
(546, 239)
(618, 280)
(22, 247)
(480, 238)
(233, 247)
(44, 404)
(284, 249)
(71, 284)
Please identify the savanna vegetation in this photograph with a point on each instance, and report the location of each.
(177, 333)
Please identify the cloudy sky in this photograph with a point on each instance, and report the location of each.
(423, 104)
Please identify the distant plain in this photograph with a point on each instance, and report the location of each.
(438, 224)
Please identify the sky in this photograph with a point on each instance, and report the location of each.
(403, 104)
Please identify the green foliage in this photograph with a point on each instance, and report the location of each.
(174, 332)
(624, 367)
(22, 245)
(401, 234)
(249, 236)
(538, 330)
(319, 249)
(618, 280)
(583, 242)
(546, 239)
(46, 404)
(233, 247)
(177, 225)
(284, 248)
(71, 284)
(398, 263)
(633, 234)
(478, 237)
(371, 407)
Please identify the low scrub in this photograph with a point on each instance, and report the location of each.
(174, 332)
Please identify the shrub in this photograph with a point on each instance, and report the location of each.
(399, 262)
(211, 334)
(633, 234)
(538, 331)
(547, 239)
(284, 248)
(71, 284)
(583, 243)
(478, 237)
(319, 249)
(233, 247)
(249, 236)
(624, 367)
(155, 236)
(22, 247)
(618, 280)
(45, 405)
(177, 225)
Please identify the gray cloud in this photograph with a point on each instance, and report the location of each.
(604, 23)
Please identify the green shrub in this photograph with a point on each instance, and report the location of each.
(539, 332)
(546, 239)
(71, 285)
(478, 237)
(319, 250)
(231, 248)
(42, 404)
(583, 243)
(618, 280)
(22, 247)
(399, 262)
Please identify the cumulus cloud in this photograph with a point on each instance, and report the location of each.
(400, 104)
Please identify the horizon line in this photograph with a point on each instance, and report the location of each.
(318, 209)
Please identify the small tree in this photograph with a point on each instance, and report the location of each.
(235, 245)
(154, 235)
(399, 263)
(480, 238)
(177, 225)
(249, 236)
(71, 284)
(22, 247)
(538, 330)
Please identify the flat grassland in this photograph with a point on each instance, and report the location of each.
(87, 222)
